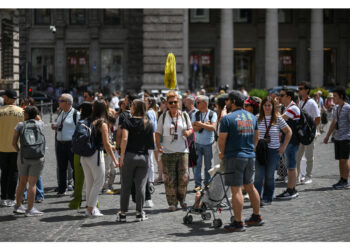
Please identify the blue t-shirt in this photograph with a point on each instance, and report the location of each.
(152, 116)
(240, 126)
(206, 137)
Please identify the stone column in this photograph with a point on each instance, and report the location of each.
(226, 48)
(302, 63)
(271, 48)
(185, 48)
(60, 50)
(316, 59)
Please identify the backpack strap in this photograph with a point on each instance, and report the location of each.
(305, 103)
(75, 114)
(197, 114)
(210, 115)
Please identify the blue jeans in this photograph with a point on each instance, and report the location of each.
(266, 174)
(39, 191)
(291, 156)
(206, 151)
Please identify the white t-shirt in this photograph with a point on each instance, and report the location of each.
(114, 102)
(292, 111)
(274, 131)
(311, 108)
(169, 144)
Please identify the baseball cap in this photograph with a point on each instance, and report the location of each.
(9, 93)
(252, 101)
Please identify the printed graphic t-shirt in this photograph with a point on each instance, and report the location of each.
(241, 127)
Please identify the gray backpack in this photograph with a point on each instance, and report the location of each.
(32, 141)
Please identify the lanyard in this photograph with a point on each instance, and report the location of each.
(338, 112)
(204, 116)
(267, 128)
(64, 118)
(172, 121)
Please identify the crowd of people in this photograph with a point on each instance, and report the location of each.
(245, 135)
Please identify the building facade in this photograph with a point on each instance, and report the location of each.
(9, 49)
(121, 49)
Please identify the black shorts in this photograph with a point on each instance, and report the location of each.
(342, 149)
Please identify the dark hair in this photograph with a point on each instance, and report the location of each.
(306, 85)
(289, 92)
(99, 113)
(90, 93)
(140, 110)
(152, 102)
(32, 101)
(220, 101)
(85, 110)
(273, 113)
(236, 98)
(340, 90)
(31, 111)
(111, 118)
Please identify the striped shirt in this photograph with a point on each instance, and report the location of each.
(292, 111)
(274, 131)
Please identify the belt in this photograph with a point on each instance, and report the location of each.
(64, 142)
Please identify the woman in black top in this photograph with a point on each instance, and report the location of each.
(137, 139)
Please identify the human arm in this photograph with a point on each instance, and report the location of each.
(15, 140)
(256, 138)
(159, 146)
(107, 146)
(123, 143)
(330, 131)
(210, 126)
(288, 135)
(222, 143)
(317, 120)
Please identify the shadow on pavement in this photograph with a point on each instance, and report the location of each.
(62, 218)
(197, 229)
(102, 223)
(59, 209)
(59, 202)
(317, 189)
(8, 218)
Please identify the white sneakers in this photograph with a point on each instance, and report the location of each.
(7, 203)
(148, 204)
(304, 180)
(33, 212)
(95, 213)
(19, 209)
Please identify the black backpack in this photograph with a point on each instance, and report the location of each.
(261, 153)
(84, 141)
(32, 141)
(305, 127)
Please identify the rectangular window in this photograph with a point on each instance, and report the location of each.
(6, 49)
(78, 67)
(42, 17)
(243, 66)
(112, 16)
(286, 66)
(43, 66)
(77, 16)
(112, 70)
(242, 15)
(202, 70)
(199, 16)
(285, 16)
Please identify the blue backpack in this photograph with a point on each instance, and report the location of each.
(83, 140)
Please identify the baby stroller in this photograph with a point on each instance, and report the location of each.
(209, 200)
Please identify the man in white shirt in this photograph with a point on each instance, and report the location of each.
(115, 100)
(310, 107)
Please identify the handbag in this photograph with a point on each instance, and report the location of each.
(262, 146)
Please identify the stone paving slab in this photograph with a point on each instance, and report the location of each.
(318, 214)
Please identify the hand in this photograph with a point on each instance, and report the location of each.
(221, 155)
(187, 133)
(160, 149)
(198, 124)
(325, 140)
(281, 150)
(53, 126)
(116, 164)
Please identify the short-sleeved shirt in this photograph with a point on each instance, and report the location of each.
(343, 133)
(68, 125)
(19, 126)
(152, 116)
(206, 137)
(293, 112)
(311, 108)
(10, 115)
(240, 127)
(123, 116)
(274, 131)
(140, 138)
(169, 144)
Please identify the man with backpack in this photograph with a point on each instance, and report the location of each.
(292, 117)
(311, 108)
(203, 122)
(65, 127)
(10, 115)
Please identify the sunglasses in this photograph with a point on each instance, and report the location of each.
(198, 103)
(281, 95)
(173, 102)
(62, 101)
(301, 88)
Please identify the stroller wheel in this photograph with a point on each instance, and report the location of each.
(232, 219)
(217, 223)
(188, 219)
(206, 216)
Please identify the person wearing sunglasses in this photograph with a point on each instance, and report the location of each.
(174, 126)
(310, 107)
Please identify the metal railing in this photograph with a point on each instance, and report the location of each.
(45, 108)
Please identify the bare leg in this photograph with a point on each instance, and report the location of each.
(237, 203)
(20, 189)
(31, 191)
(292, 178)
(254, 197)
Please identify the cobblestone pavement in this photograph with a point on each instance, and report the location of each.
(318, 214)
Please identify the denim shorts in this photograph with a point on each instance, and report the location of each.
(239, 171)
